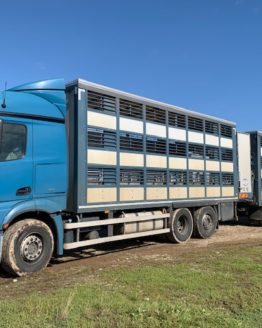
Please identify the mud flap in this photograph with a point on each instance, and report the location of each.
(227, 211)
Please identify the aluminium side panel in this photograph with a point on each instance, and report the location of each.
(256, 155)
(244, 164)
(127, 151)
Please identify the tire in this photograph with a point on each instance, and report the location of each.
(181, 226)
(205, 222)
(27, 247)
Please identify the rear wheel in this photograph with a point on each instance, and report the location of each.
(27, 247)
(205, 222)
(181, 226)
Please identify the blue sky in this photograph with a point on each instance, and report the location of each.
(199, 54)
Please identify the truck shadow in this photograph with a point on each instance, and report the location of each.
(98, 251)
(105, 249)
(242, 220)
(5, 275)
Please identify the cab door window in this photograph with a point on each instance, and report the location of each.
(12, 141)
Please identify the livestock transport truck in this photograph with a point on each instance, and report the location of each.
(84, 164)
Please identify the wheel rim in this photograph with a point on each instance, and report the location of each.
(207, 222)
(31, 248)
(181, 224)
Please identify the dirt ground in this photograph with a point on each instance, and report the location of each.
(80, 266)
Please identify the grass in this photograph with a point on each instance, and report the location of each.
(213, 289)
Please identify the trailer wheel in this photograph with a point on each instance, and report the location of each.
(27, 247)
(205, 222)
(181, 227)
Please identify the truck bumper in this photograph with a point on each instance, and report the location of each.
(1, 244)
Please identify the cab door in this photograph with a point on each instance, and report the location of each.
(16, 177)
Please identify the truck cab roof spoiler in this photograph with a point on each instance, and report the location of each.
(52, 91)
(53, 84)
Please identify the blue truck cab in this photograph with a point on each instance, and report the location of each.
(33, 164)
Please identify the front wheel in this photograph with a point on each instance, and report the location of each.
(27, 247)
(181, 226)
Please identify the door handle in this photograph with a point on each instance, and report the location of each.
(23, 191)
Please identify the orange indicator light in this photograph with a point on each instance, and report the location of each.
(243, 196)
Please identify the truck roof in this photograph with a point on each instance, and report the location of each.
(87, 84)
(254, 132)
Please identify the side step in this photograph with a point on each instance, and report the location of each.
(114, 238)
(126, 221)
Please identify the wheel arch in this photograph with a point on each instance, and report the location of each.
(45, 210)
(54, 222)
(195, 208)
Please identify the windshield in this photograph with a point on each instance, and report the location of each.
(12, 141)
